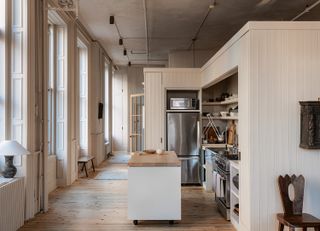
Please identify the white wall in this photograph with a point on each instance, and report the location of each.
(96, 81)
(135, 79)
(128, 79)
(26, 83)
(278, 65)
(285, 69)
(120, 110)
(52, 174)
(184, 59)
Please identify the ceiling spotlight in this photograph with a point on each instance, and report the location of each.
(111, 20)
(129, 64)
(120, 41)
(125, 52)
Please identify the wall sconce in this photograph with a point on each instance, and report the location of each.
(125, 52)
(111, 20)
(120, 41)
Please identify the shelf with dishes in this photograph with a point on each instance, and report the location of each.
(215, 145)
(221, 117)
(227, 114)
(225, 102)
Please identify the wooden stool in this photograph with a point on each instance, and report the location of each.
(84, 160)
(293, 216)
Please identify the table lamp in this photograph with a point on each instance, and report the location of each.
(9, 149)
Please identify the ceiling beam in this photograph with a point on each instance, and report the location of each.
(307, 10)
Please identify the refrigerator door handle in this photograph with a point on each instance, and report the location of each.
(188, 158)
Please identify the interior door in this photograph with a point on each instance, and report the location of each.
(136, 122)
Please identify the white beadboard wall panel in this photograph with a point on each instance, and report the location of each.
(154, 129)
(181, 78)
(120, 111)
(278, 65)
(235, 58)
(12, 203)
(243, 131)
(225, 61)
(285, 67)
(52, 173)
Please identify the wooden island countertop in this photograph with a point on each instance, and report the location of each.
(167, 159)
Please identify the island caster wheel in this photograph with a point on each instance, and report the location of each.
(171, 222)
(135, 222)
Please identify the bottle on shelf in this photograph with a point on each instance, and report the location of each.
(231, 133)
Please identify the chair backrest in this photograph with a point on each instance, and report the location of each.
(294, 206)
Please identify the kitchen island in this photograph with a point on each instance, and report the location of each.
(154, 187)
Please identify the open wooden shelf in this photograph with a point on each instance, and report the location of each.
(221, 118)
(226, 102)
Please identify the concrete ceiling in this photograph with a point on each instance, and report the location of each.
(173, 23)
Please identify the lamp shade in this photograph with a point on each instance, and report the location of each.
(12, 148)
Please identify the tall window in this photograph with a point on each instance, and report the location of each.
(57, 101)
(51, 89)
(106, 102)
(83, 94)
(2, 69)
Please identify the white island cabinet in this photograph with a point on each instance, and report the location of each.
(154, 187)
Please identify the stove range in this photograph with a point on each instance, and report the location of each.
(222, 167)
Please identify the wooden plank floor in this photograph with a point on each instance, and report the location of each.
(91, 204)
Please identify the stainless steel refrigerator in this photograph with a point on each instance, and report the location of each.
(183, 136)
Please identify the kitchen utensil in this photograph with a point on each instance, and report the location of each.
(224, 113)
(159, 151)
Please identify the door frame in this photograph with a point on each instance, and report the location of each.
(130, 119)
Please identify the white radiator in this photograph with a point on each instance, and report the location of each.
(11, 204)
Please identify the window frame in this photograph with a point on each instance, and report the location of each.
(83, 52)
(52, 62)
(106, 99)
(4, 31)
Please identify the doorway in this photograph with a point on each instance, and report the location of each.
(136, 122)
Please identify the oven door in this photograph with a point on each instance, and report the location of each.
(224, 187)
(190, 169)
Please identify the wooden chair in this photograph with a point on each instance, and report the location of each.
(293, 216)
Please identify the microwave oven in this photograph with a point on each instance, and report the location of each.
(183, 104)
